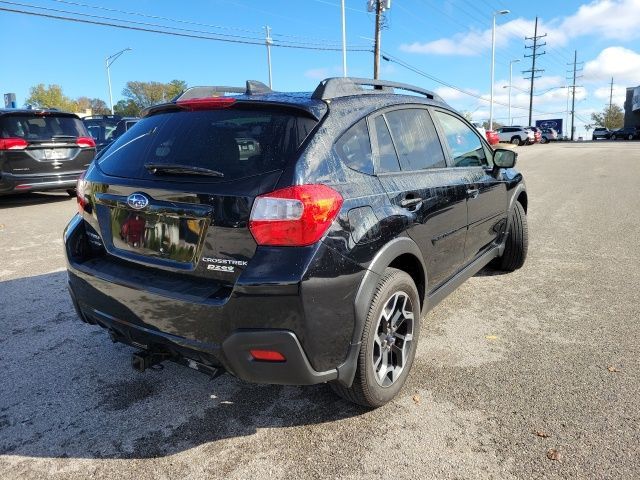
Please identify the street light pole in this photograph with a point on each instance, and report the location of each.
(108, 62)
(268, 42)
(510, 86)
(493, 61)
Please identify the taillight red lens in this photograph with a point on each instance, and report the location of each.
(267, 356)
(82, 201)
(206, 103)
(294, 216)
(13, 144)
(85, 142)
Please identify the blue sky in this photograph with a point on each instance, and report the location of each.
(449, 40)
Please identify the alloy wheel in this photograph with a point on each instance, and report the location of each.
(393, 339)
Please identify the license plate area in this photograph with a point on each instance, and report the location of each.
(56, 153)
(160, 235)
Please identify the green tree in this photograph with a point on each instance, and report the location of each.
(126, 108)
(145, 94)
(50, 96)
(611, 118)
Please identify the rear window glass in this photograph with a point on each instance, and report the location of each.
(354, 148)
(102, 130)
(236, 143)
(40, 127)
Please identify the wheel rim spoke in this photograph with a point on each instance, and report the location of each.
(392, 342)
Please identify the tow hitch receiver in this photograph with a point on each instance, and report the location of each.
(144, 359)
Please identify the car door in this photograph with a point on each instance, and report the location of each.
(472, 158)
(410, 164)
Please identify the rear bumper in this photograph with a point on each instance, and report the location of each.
(233, 355)
(10, 183)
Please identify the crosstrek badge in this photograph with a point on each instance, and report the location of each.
(223, 264)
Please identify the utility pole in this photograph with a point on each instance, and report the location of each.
(268, 41)
(533, 71)
(573, 90)
(379, 6)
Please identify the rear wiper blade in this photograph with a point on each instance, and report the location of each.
(181, 169)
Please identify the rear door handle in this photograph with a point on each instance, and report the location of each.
(473, 193)
(410, 202)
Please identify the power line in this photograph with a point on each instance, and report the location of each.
(573, 88)
(390, 58)
(217, 37)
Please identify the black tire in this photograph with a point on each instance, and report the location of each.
(517, 244)
(366, 390)
(544, 140)
(71, 192)
(516, 140)
(630, 137)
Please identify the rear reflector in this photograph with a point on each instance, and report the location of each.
(85, 142)
(267, 356)
(206, 103)
(294, 216)
(13, 144)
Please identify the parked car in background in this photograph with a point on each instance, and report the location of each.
(478, 126)
(537, 134)
(123, 125)
(42, 150)
(492, 137)
(601, 133)
(626, 133)
(102, 128)
(516, 135)
(548, 135)
(291, 238)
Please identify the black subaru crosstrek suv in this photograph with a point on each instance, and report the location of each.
(291, 238)
(42, 150)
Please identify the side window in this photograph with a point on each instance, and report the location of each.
(354, 148)
(387, 160)
(416, 140)
(465, 145)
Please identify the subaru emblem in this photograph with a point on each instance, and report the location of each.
(137, 201)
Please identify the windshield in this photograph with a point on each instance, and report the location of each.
(236, 143)
(40, 127)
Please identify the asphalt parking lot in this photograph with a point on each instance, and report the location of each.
(511, 369)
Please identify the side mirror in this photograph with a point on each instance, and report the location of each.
(504, 158)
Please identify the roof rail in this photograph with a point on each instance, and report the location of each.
(253, 87)
(346, 86)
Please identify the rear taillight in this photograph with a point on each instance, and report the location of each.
(206, 103)
(85, 142)
(82, 200)
(294, 216)
(13, 144)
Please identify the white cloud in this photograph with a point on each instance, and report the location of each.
(611, 19)
(619, 94)
(620, 63)
(317, 73)
(451, 94)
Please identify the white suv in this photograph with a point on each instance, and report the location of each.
(516, 135)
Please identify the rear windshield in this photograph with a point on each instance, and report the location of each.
(236, 143)
(40, 127)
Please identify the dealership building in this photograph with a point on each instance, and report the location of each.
(632, 107)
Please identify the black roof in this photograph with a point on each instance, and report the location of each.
(35, 111)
